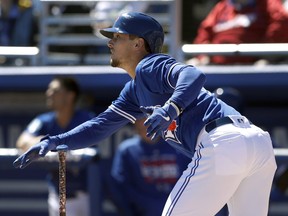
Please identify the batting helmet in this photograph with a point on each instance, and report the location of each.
(141, 25)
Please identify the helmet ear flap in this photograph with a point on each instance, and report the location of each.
(158, 42)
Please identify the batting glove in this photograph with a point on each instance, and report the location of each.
(45, 145)
(159, 118)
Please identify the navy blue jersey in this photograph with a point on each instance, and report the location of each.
(159, 78)
(145, 174)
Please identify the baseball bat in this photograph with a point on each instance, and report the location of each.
(62, 151)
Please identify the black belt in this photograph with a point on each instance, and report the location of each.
(217, 123)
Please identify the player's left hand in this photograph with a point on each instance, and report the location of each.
(159, 118)
(45, 145)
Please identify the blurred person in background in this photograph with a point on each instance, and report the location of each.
(242, 21)
(143, 173)
(18, 24)
(61, 97)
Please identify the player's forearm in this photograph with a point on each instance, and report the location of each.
(92, 131)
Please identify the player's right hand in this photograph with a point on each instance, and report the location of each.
(45, 145)
(159, 119)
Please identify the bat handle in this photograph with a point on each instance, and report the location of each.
(62, 151)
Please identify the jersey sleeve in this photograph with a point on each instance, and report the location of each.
(127, 104)
(34, 127)
(38, 125)
(187, 82)
(162, 74)
(92, 131)
(123, 110)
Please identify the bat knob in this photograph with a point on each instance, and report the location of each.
(62, 147)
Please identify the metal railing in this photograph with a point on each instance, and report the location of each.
(251, 49)
(77, 158)
(28, 52)
(170, 19)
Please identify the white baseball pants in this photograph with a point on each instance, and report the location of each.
(233, 164)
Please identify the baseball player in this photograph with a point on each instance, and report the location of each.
(232, 160)
(62, 96)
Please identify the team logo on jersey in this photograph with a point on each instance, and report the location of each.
(170, 133)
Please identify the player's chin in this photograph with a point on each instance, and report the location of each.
(114, 63)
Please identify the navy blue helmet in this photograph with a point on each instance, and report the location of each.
(141, 25)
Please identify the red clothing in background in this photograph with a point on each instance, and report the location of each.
(265, 22)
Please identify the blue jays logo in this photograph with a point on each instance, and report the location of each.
(170, 133)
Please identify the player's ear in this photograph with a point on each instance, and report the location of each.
(139, 43)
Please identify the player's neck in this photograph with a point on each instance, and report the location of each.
(131, 66)
(64, 116)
